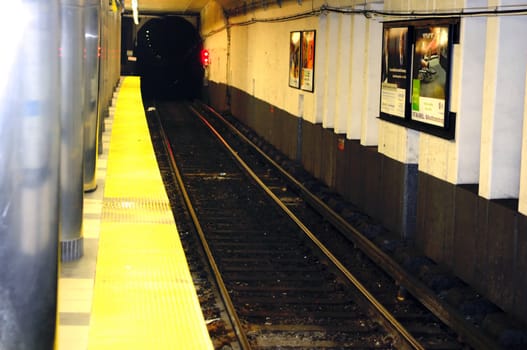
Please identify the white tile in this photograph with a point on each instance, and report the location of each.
(75, 294)
(91, 228)
(73, 337)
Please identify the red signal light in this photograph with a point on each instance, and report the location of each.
(205, 57)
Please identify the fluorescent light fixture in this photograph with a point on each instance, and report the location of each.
(135, 12)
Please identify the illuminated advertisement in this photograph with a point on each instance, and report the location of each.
(430, 74)
(394, 71)
(294, 60)
(308, 60)
(415, 74)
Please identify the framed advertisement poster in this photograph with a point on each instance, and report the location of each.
(307, 69)
(415, 74)
(430, 74)
(294, 59)
(395, 71)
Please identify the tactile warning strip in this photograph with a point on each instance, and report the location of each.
(144, 297)
(139, 210)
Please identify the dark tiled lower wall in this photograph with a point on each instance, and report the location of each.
(216, 95)
(484, 242)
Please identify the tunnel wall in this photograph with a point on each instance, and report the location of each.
(451, 197)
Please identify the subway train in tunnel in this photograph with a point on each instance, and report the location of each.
(168, 58)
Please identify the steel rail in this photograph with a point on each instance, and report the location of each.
(395, 325)
(447, 314)
(240, 334)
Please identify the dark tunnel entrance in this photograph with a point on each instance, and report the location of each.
(168, 50)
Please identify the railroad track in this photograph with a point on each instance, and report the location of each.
(289, 277)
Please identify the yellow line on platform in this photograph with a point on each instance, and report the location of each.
(144, 297)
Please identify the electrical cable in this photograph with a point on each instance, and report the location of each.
(382, 14)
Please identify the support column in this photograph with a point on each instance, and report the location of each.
(330, 75)
(343, 75)
(523, 174)
(73, 79)
(357, 77)
(29, 173)
(372, 84)
(320, 69)
(467, 97)
(90, 112)
(503, 104)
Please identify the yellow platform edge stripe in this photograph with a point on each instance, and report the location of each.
(144, 297)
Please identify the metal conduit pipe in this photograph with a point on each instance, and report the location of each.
(73, 78)
(91, 113)
(29, 173)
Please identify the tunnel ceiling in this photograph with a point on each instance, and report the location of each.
(176, 6)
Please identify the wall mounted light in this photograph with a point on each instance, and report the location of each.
(135, 12)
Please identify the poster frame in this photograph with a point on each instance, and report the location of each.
(392, 66)
(305, 59)
(447, 130)
(295, 59)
